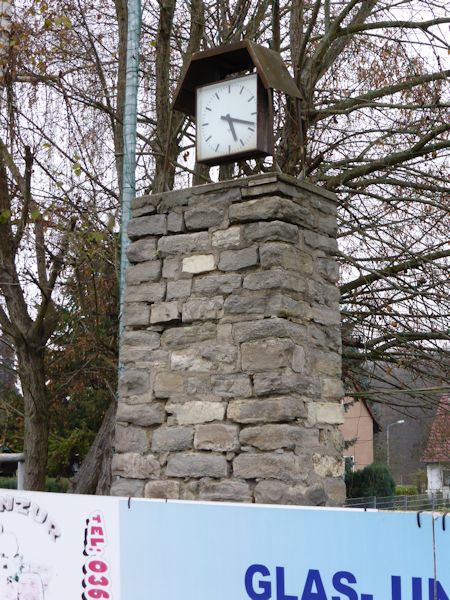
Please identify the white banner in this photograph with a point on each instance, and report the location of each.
(58, 547)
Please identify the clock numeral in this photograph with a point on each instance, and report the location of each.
(242, 89)
(251, 129)
(253, 113)
(208, 138)
(242, 143)
(229, 89)
(217, 147)
(250, 99)
(207, 108)
(217, 96)
(229, 148)
(205, 124)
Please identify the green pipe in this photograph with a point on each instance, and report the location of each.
(129, 141)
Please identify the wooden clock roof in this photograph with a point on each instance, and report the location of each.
(217, 63)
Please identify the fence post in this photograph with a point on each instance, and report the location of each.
(20, 474)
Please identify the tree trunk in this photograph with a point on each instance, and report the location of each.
(5, 34)
(36, 411)
(94, 476)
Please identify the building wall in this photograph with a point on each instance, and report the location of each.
(358, 425)
(231, 384)
(438, 475)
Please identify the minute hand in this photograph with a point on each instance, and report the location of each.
(242, 121)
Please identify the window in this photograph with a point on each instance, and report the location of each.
(349, 463)
(446, 477)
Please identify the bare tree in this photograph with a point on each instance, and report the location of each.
(372, 126)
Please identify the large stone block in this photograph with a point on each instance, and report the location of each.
(217, 284)
(196, 465)
(164, 312)
(131, 439)
(134, 381)
(180, 337)
(142, 250)
(227, 238)
(163, 489)
(224, 491)
(199, 263)
(274, 437)
(282, 305)
(235, 260)
(145, 292)
(218, 437)
(202, 309)
(179, 289)
(233, 385)
(175, 222)
(248, 331)
(190, 359)
(272, 491)
(134, 465)
(272, 208)
(197, 411)
(271, 231)
(328, 466)
(248, 304)
(283, 381)
(276, 278)
(265, 354)
(318, 241)
(147, 225)
(127, 487)
(136, 314)
(172, 439)
(144, 415)
(267, 410)
(328, 268)
(149, 270)
(146, 339)
(183, 243)
(168, 383)
(280, 254)
(325, 413)
(204, 216)
(335, 490)
(266, 465)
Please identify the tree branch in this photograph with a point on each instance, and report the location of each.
(376, 275)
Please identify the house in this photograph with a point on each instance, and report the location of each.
(437, 450)
(358, 430)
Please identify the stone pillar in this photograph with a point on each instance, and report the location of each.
(231, 387)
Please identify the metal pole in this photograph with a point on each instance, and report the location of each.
(129, 140)
(20, 475)
(399, 422)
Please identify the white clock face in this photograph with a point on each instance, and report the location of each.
(226, 118)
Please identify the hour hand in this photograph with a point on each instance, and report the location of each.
(229, 120)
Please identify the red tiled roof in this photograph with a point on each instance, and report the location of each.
(438, 444)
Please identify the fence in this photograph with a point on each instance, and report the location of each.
(436, 501)
(15, 458)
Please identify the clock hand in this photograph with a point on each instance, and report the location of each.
(227, 118)
(241, 121)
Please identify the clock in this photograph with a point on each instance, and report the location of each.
(232, 118)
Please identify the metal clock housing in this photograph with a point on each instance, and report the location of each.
(229, 118)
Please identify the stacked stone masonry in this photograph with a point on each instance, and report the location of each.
(231, 385)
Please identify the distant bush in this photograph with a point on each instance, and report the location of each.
(373, 480)
(406, 490)
(58, 485)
